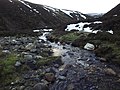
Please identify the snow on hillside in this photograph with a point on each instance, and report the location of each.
(69, 12)
(80, 27)
(27, 5)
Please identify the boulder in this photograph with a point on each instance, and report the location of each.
(50, 77)
(89, 46)
(109, 71)
(40, 86)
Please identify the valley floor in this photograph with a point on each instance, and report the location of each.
(29, 63)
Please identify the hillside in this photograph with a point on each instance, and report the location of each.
(111, 20)
(23, 16)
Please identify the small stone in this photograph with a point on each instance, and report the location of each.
(118, 80)
(29, 46)
(62, 67)
(109, 71)
(50, 77)
(17, 64)
(22, 87)
(6, 51)
(44, 81)
(38, 57)
(28, 57)
(119, 75)
(61, 77)
(48, 69)
(70, 87)
(102, 59)
(40, 86)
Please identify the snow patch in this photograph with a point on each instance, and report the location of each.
(25, 4)
(110, 31)
(83, 16)
(115, 15)
(97, 22)
(28, 6)
(11, 1)
(43, 30)
(48, 8)
(78, 26)
(35, 10)
(67, 12)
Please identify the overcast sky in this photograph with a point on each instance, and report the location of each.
(84, 6)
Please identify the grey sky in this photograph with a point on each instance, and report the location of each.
(84, 6)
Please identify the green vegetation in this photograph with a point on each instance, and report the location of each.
(7, 69)
(47, 60)
(8, 63)
(70, 37)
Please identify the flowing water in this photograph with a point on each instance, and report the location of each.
(82, 70)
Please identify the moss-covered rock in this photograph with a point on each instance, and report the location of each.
(49, 60)
(70, 37)
(7, 69)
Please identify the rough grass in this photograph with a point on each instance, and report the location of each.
(70, 37)
(47, 60)
(7, 69)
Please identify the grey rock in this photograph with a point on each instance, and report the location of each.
(50, 77)
(17, 64)
(109, 71)
(61, 77)
(29, 46)
(38, 57)
(40, 86)
(28, 57)
(89, 46)
(6, 51)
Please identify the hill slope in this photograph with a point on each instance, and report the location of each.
(111, 20)
(23, 16)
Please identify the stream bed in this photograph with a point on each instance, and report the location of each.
(76, 69)
(82, 70)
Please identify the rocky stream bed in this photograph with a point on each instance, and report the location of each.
(43, 65)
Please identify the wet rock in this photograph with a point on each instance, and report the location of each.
(54, 70)
(48, 69)
(50, 77)
(56, 65)
(109, 71)
(38, 57)
(70, 87)
(17, 64)
(26, 76)
(89, 46)
(118, 81)
(28, 57)
(6, 51)
(44, 81)
(22, 88)
(40, 86)
(29, 46)
(102, 59)
(61, 77)
(62, 67)
(33, 50)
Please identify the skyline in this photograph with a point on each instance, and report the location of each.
(84, 6)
